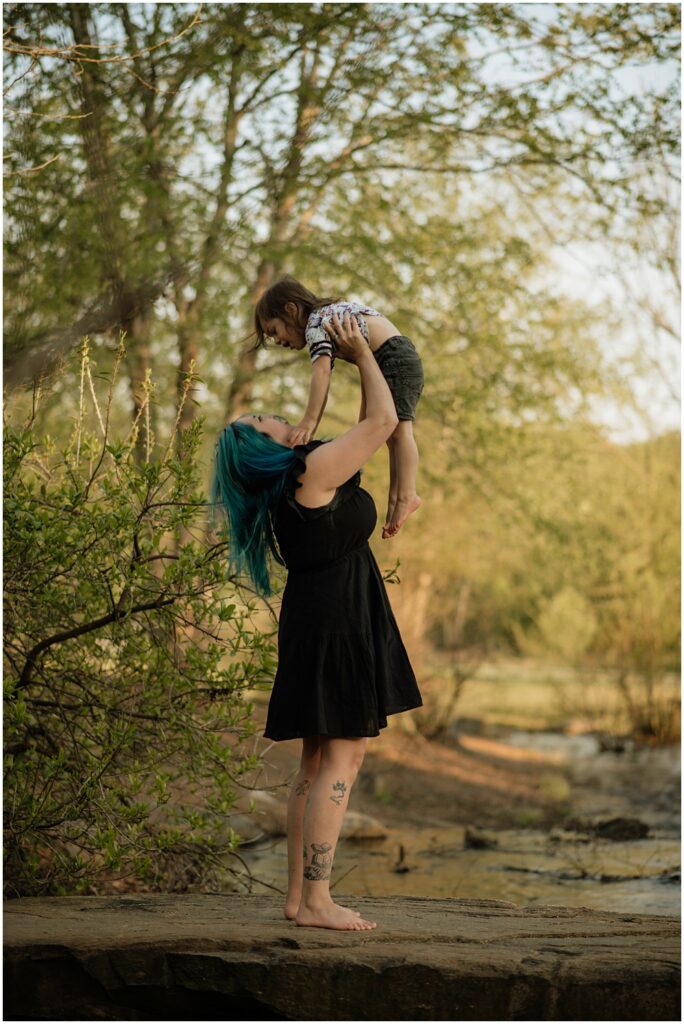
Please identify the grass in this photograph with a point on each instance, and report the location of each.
(526, 694)
(524, 817)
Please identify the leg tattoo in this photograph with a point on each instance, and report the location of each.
(321, 862)
(302, 788)
(340, 789)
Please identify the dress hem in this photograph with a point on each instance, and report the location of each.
(342, 736)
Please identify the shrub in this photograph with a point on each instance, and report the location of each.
(127, 660)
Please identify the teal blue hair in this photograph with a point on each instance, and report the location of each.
(249, 475)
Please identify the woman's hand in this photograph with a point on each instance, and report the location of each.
(348, 340)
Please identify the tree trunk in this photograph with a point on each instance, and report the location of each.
(110, 235)
(139, 361)
(240, 393)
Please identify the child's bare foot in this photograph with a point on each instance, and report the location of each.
(330, 915)
(389, 517)
(402, 510)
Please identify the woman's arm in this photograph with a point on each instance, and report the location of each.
(332, 464)
(318, 397)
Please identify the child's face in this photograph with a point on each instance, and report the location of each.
(284, 334)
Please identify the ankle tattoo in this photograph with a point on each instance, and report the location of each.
(321, 862)
(339, 789)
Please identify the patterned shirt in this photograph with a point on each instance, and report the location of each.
(317, 339)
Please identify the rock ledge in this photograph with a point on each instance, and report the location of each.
(206, 957)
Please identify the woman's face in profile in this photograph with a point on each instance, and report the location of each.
(275, 427)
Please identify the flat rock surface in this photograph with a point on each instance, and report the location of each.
(428, 959)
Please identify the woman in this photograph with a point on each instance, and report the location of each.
(342, 667)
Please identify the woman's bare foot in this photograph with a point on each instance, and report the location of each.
(402, 510)
(292, 906)
(331, 915)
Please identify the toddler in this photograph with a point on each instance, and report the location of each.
(297, 319)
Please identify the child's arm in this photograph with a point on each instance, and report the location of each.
(318, 397)
(362, 410)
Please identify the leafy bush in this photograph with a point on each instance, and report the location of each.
(125, 664)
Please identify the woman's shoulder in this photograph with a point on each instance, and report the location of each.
(300, 462)
(302, 450)
(298, 467)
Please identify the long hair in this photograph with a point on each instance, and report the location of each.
(249, 476)
(272, 304)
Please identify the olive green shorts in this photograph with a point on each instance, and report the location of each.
(402, 369)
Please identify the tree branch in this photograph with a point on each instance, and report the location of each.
(87, 627)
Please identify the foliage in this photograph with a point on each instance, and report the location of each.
(126, 663)
(565, 627)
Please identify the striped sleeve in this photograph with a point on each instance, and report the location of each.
(318, 343)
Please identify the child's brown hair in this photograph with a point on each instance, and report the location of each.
(272, 303)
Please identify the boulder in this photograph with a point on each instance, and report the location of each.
(269, 818)
(358, 826)
(270, 814)
(620, 829)
(478, 839)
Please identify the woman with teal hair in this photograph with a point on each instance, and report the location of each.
(342, 666)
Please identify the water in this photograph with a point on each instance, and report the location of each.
(641, 781)
(527, 868)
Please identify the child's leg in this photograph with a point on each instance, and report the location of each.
(393, 484)
(406, 467)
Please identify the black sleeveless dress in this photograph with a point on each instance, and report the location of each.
(342, 666)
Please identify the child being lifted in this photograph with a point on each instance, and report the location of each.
(296, 318)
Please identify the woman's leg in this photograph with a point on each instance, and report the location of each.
(328, 798)
(403, 443)
(308, 770)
